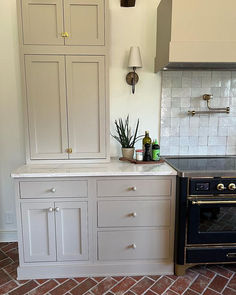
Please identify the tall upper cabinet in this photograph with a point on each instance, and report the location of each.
(64, 57)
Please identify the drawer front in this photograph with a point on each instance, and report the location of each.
(134, 187)
(49, 189)
(203, 255)
(139, 244)
(133, 213)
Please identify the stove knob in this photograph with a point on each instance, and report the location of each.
(232, 186)
(220, 187)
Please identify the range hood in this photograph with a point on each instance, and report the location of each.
(196, 34)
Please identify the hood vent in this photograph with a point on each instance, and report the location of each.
(196, 35)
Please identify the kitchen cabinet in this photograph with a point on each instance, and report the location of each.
(46, 102)
(65, 81)
(66, 106)
(75, 226)
(86, 106)
(63, 22)
(54, 231)
(38, 230)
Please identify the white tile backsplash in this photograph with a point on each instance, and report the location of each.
(211, 134)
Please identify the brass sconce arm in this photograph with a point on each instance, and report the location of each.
(207, 97)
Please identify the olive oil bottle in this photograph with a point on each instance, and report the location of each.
(146, 139)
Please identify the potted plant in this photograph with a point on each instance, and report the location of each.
(125, 138)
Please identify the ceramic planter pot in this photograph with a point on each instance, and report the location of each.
(128, 153)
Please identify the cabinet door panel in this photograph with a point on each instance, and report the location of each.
(86, 106)
(71, 229)
(84, 21)
(42, 22)
(38, 232)
(46, 98)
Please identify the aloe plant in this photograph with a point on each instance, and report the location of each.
(124, 135)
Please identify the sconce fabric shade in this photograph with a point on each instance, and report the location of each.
(135, 60)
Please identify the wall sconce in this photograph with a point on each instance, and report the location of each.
(135, 62)
(127, 3)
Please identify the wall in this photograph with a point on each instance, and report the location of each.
(11, 122)
(134, 27)
(211, 134)
(128, 27)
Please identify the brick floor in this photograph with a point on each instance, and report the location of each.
(204, 280)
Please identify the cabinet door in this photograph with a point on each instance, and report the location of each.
(46, 98)
(71, 231)
(84, 22)
(42, 22)
(38, 226)
(86, 106)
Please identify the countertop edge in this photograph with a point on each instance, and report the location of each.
(114, 168)
(47, 175)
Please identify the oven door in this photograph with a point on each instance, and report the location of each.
(211, 221)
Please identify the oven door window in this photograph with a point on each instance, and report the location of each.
(211, 223)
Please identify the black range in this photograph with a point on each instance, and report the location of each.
(205, 211)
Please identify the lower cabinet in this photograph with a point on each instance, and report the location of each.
(54, 231)
(95, 226)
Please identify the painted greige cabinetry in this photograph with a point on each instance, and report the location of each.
(83, 226)
(65, 81)
(66, 106)
(54, 231)
(46, 102)
(38, 230)
(63, 22)
(86, 106)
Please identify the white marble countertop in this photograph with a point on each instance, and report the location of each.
(113, 168)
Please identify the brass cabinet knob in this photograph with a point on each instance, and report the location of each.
(232, 186)
(220, 187)
(69, 150)
(65, 35)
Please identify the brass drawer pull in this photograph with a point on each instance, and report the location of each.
(212, 202)
(65, 35)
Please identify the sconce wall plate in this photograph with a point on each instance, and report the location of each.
(127, 3)
(132, 78)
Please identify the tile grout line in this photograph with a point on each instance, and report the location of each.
(227, 282)
(211, 280)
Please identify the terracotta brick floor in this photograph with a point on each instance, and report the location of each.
(210, 280)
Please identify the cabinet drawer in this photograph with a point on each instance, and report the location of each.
(133, 213)
(134, 187)
(49, 189)
(128, 245)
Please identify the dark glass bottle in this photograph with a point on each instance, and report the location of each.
(147, 154)
(146, 139)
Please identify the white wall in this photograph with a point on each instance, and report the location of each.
(129, 27)
(134, 26)
(11, 126)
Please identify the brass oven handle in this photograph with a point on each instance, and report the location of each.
(231, 255)
(212, 202)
